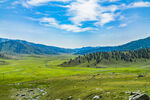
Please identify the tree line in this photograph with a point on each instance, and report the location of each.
(98, 57)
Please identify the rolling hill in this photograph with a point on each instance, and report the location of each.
(133, 45)
(23, 47)
(112, 58)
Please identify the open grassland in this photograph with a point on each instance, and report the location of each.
(81, 83)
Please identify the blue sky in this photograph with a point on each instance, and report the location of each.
(75, 23)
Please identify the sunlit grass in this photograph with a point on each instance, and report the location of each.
(77, 81)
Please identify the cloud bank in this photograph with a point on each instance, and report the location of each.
(80, 11)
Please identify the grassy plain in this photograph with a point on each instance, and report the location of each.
(81, 83)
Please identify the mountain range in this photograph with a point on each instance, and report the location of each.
(23, 47)
(10, 46)
(133, 45)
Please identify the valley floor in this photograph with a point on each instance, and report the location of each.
(40, 78)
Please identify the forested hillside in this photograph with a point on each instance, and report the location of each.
(133, 45)
(23, 47)
(110, 57)
(4, 56)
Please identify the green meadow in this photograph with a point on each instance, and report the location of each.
(44, 72)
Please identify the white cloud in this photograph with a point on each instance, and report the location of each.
(105, 18)
(123, 25)
(83, 10)
(80, 11)
(54, 23)
(139, 4)
(109, 0)
(49, 22)
(113, 0)
(40, 2)
(15, 2)
(74, 28)
(91, 10)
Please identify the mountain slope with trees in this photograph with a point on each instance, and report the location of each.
(134, 45)
(94, 59)
(23, 47)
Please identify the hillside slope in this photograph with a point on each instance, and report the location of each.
(24, 47)
(105, 58)
(134, 45)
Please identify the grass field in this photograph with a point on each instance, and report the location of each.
(43, 73)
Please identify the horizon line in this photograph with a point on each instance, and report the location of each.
(73, 48)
